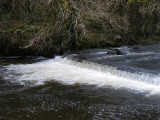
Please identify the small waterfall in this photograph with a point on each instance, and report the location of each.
(147, 78)
(70, 72)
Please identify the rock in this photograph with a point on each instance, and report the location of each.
(114, 52)
(136, 48)
(117, 37)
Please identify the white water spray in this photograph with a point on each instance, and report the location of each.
(71, 72)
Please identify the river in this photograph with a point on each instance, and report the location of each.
(83, 85)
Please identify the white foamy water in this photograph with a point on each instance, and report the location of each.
(71, 72)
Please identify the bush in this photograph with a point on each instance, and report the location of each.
(57, 25)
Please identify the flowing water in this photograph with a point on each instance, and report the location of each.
(83, 85)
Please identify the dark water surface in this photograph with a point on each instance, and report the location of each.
(22, 97)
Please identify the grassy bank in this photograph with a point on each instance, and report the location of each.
(47, 27)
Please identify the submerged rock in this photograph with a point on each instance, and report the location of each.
(135, 48)
(114, 52)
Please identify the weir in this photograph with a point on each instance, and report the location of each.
(71, 72)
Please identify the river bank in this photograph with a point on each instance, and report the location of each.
(55, 26)
(16, 50)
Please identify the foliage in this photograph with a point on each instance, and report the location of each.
(69, 24)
